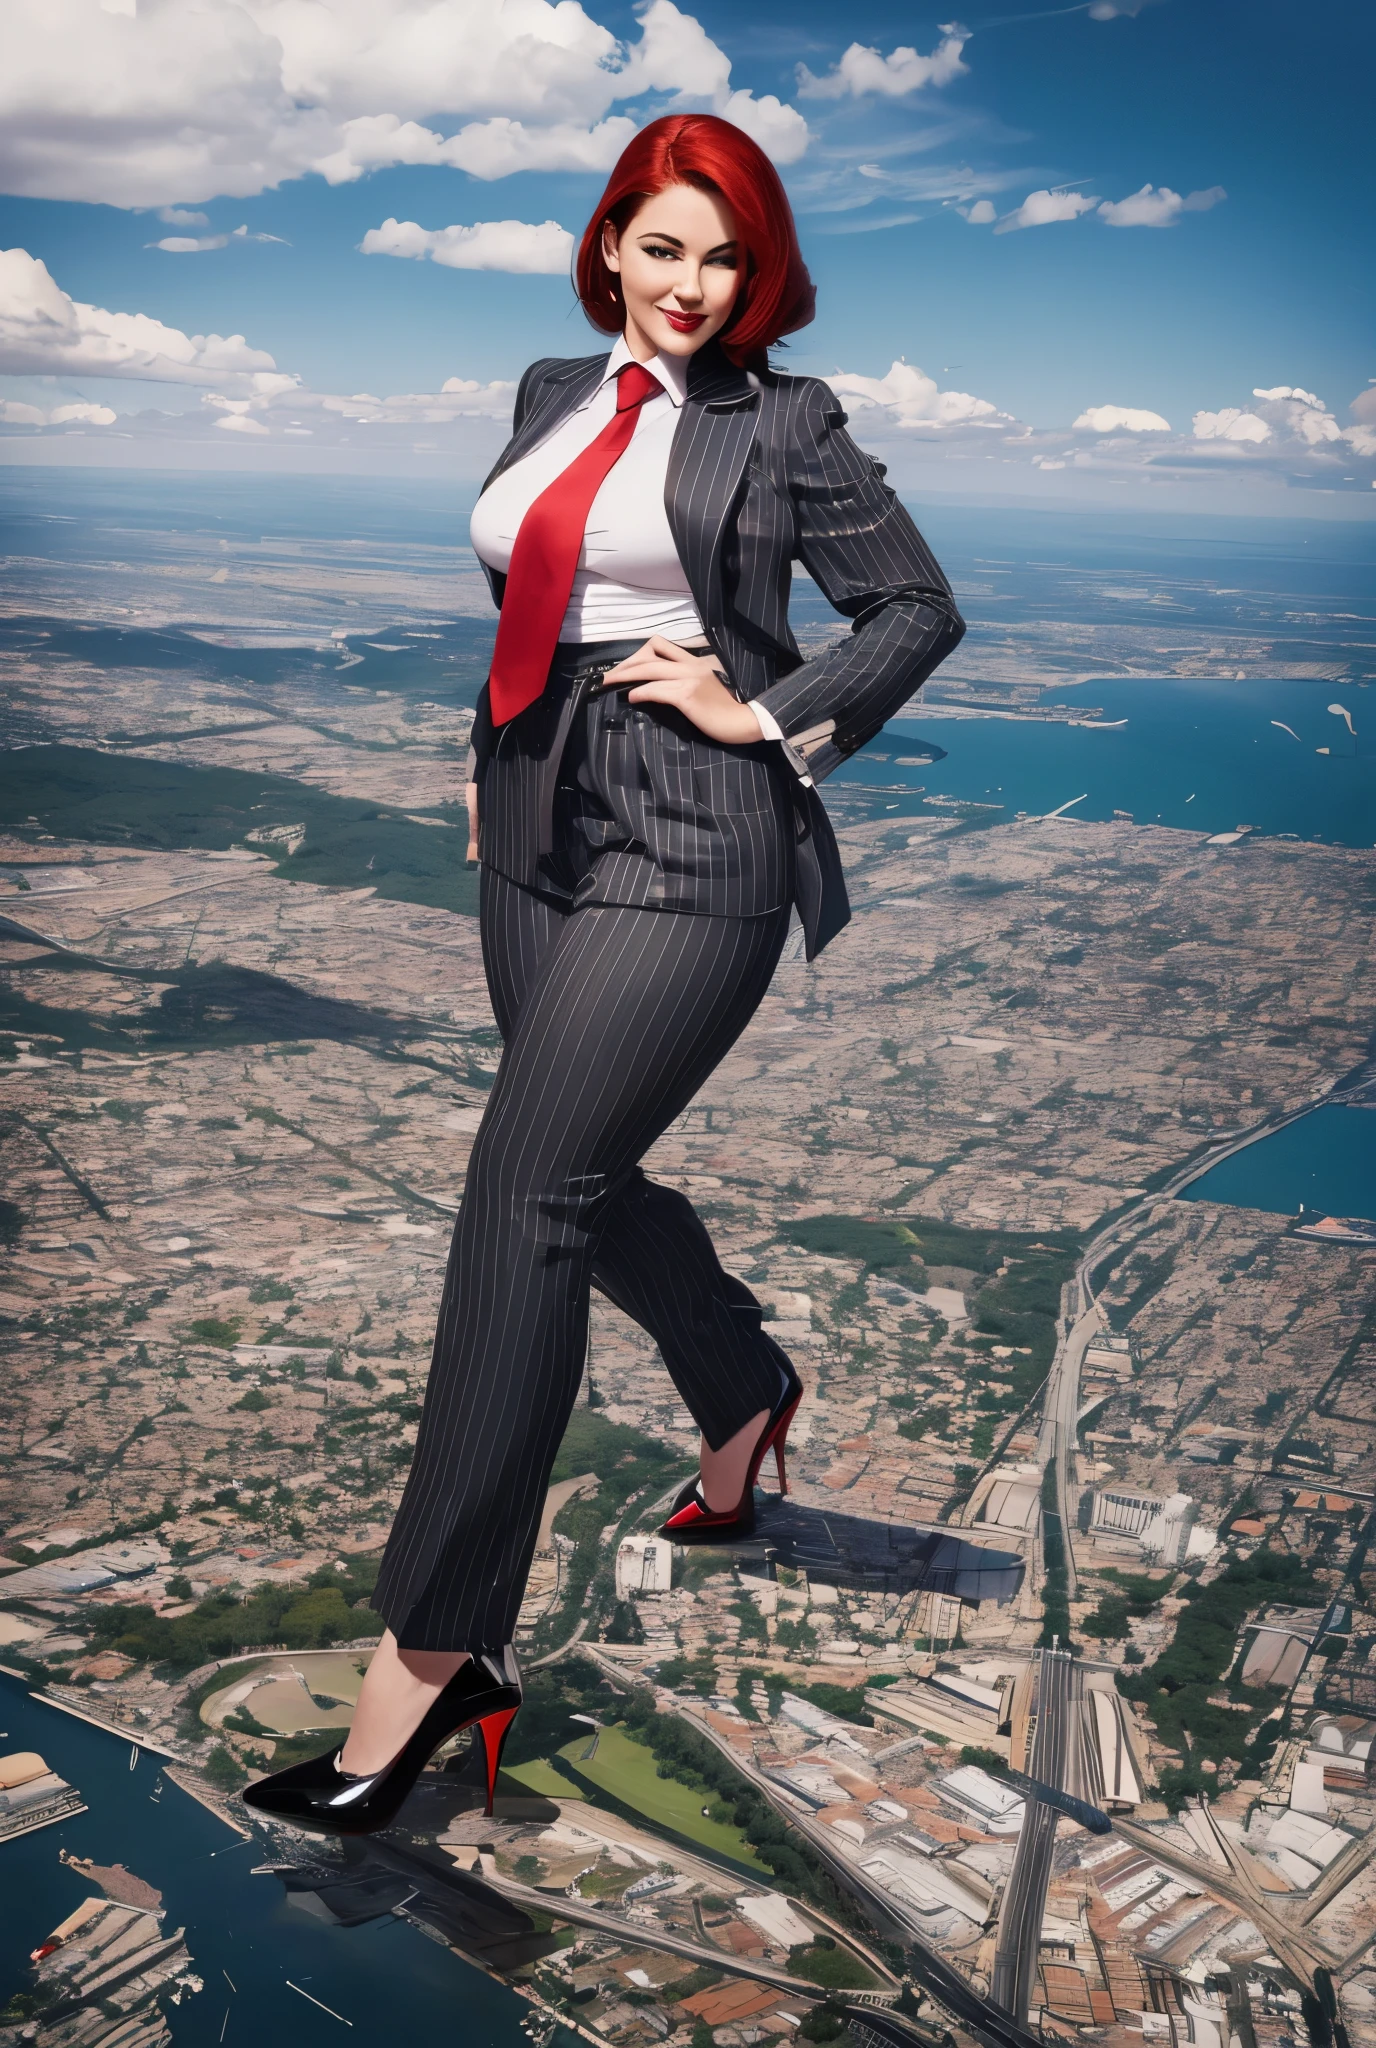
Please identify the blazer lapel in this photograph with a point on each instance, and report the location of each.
(561, 393)
(711, 447)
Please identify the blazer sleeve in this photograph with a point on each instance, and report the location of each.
(867, 557)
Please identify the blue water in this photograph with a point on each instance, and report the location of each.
(1204, 756)
(385, 1977)
(1326, 1160)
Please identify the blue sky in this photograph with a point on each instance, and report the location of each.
(1249, 307)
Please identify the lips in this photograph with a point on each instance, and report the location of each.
(683, 323)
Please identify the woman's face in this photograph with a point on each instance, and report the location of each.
(680, 267)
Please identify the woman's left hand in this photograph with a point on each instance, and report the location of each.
(665, 673)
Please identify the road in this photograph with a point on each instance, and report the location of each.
(1024, 1900)
(1299, 1951)
(646, 1934)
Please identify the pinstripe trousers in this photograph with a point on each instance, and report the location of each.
(613, 1016)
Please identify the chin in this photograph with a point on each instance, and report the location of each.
(671, 343)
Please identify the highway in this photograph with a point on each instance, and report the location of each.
(1024, 1898)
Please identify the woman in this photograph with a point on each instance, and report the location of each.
(645, 752)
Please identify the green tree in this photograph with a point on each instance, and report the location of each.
(224, 1770)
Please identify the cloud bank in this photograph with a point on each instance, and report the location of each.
(43, 332)
(169, 106)
(1285, 433)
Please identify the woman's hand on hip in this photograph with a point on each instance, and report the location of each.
(665, 673)
(471, 799)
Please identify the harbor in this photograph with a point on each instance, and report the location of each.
(242, 1937)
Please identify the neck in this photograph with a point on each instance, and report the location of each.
(638, 342)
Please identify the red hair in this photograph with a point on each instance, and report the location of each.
(777, 296)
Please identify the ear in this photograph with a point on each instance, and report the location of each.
(611, 246)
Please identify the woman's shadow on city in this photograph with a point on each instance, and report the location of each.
(874, 1556)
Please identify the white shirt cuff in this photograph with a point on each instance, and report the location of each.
(768, 723)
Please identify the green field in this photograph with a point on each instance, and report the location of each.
(626, 1769)
(127, 800)
(542, 1777)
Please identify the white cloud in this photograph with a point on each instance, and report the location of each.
(459, 398)
(1232, 424)
(980, 215)
(675, 54)
(189, 245)
(1112, 419)
(1150, 208)
(912, 401)
(1299, 414)
(1040, 209)
(511, 245)
(15, 413)
(863, 70)
(484, 149)
(196, 245)
(780, 130)
(44, 332)
(167, 106)
(180, 217)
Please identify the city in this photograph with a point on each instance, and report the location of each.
(1081, 1491)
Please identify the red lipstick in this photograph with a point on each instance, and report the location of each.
(683, 323)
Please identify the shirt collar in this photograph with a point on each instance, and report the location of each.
(671, 371)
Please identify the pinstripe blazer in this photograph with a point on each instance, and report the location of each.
(762, 473)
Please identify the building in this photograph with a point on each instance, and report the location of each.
(1159, 1528)
(996, 1807)
(1109, 1752)
(32, 1796)
(644, 1564)
(1108, 1357)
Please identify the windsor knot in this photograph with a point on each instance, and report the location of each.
(634, 384)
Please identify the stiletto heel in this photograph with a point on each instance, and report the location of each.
(690, 1520)
(780, 1442)
(494, 1729)
(485, 1692)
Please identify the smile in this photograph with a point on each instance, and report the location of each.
(683, 323)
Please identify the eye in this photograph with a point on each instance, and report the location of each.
(724, 262)
(660, 251)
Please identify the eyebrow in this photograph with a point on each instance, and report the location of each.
(654, 235)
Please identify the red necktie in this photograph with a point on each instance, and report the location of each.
(544, 560)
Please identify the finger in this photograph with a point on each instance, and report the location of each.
(646, 672)
(664, 691)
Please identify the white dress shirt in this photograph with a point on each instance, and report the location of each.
(629, 582)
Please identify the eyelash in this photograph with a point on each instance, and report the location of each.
(658, 250)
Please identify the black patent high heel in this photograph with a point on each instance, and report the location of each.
(690, 1519)
(486, 1692)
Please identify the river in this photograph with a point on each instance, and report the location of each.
(239, 1928)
